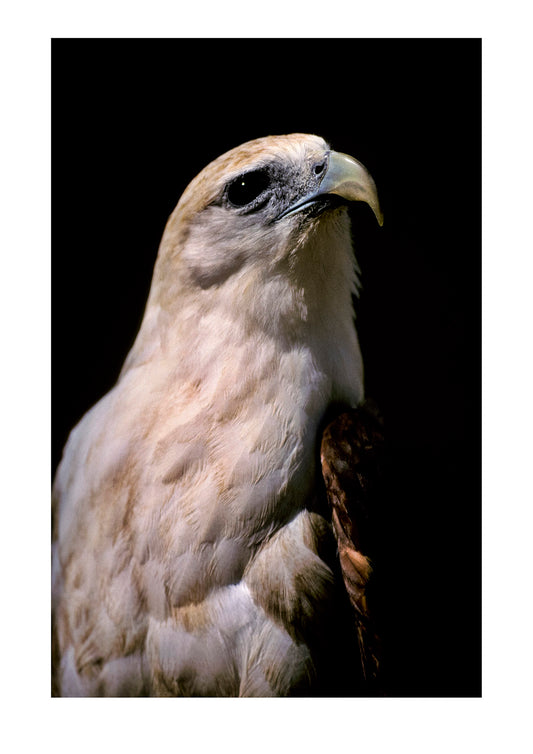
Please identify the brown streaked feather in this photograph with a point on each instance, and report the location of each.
(352, 457)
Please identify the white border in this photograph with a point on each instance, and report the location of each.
(500, 719)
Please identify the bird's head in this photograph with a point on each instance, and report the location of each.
(272, 208)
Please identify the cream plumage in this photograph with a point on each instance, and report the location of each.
(190, 555)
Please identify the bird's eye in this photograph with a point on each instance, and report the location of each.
(319, 168)
(247, 187)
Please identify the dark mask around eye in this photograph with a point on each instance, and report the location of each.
(247, 187)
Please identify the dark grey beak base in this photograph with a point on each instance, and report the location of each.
(345, 178)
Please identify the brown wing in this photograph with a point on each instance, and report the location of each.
(352, 457)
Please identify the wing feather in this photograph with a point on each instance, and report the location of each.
(352, 455)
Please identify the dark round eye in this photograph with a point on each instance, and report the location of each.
(319, 168)
(247, 187)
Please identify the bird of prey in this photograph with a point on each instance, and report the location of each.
(194, 552)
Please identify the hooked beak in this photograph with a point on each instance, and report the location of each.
(345, 177)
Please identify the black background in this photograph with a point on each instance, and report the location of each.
(135, 120)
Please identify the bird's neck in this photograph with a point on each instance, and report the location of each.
(302, 303)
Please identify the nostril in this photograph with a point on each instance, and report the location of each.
(319, 168)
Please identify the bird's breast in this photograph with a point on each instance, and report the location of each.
(229, 467)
